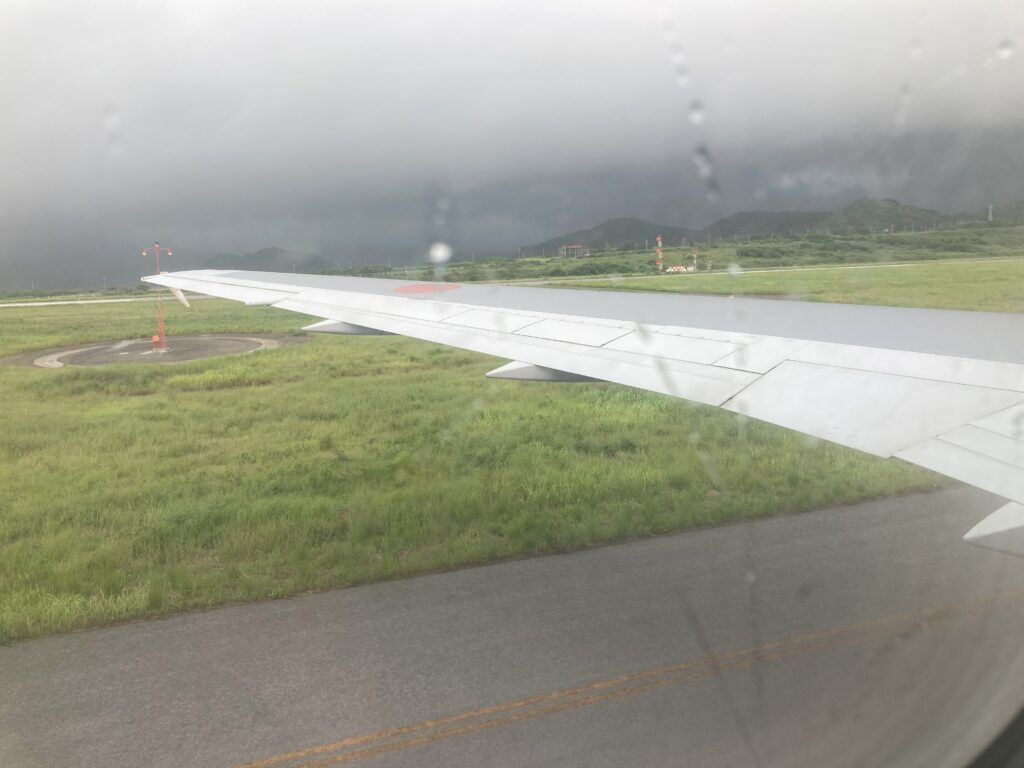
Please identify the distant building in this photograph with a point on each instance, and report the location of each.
(572, 249)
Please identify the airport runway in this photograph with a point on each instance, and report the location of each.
(866, 635)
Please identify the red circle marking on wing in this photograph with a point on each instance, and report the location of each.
(426, 288)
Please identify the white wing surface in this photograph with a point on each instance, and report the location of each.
(938, 388)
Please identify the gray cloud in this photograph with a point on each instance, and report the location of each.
(334, 127)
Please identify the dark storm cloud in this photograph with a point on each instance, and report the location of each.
(335, 128)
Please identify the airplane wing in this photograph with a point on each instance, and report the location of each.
(938, 388)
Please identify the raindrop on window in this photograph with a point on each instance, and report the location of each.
(706, 170)
(899, 119)
(439, 253)
(114, 140)
(676, 54)
(702, 159)
(1005, 50)
(696, 112)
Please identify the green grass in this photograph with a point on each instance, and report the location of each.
(130, 491)
(119, 292)
(996, 286)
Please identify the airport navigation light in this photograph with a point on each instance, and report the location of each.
(159, 338)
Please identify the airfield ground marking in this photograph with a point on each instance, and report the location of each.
(696, 669)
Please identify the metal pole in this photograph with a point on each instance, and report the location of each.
(161, 340)
(162, 344)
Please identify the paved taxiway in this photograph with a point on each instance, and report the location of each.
(867, 635)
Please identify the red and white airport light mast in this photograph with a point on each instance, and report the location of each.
(159, 339)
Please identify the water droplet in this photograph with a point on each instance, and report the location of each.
(111, 118)
(439, 253)
(696, 112)
(760, 193)
(642, 330)
(667, 381)
(735, 269)
(751, 577)
(1005, 50)
(706, 170)
(916, 48)
(702, 159)
(443, 203)
(676, 54)
(899, 119)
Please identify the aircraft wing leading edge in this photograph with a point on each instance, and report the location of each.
(938, 388)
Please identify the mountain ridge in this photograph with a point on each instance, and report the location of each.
(860, 217)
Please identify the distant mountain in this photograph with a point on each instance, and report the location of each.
(747, 223)
(614, 234)
(271, 260)
(871, 214)
(865, 215)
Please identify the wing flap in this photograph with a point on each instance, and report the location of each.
(968, 466)
(672, 346)
(573, 331)
(874, 412)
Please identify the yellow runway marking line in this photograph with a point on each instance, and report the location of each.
(695, 669)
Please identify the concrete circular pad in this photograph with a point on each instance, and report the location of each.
(179, 349)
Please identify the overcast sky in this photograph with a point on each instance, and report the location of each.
(337, 127)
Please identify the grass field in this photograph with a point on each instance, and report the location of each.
(996, 286)
(131, 491)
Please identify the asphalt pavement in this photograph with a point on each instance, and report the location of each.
(864, 635)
